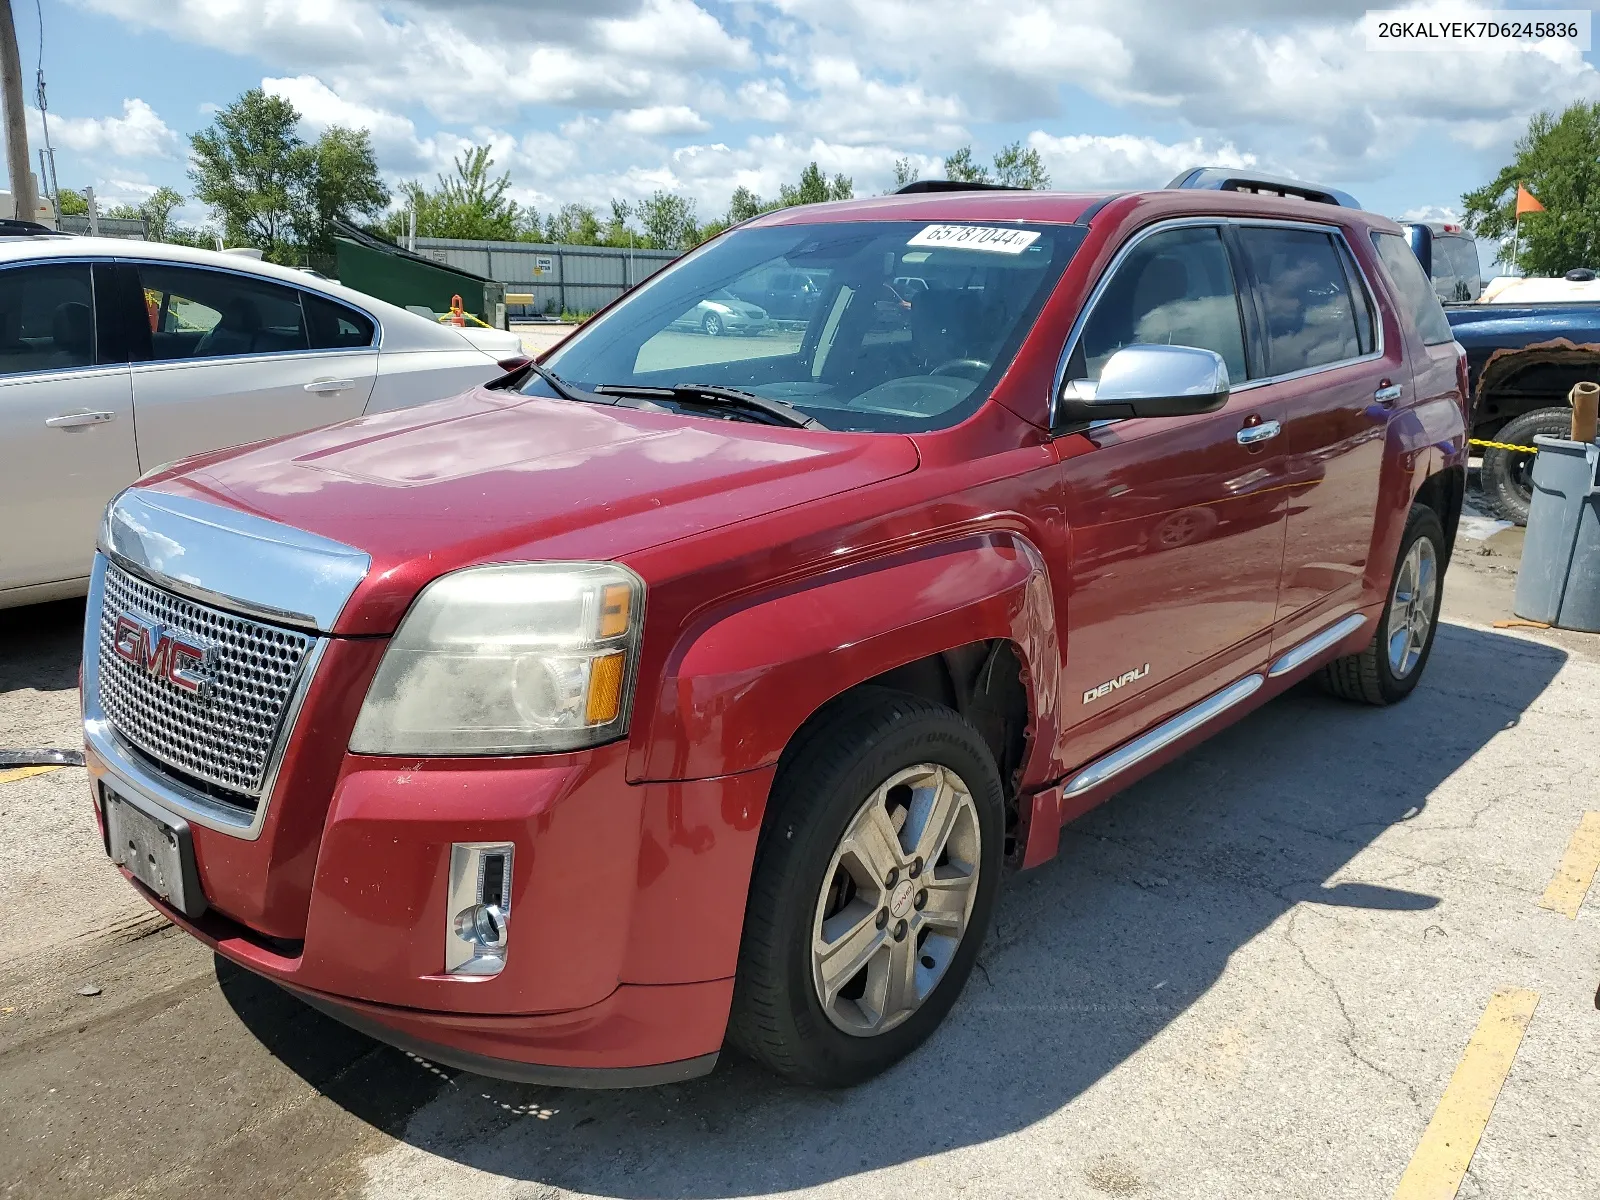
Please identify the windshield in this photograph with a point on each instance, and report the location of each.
(881, 325)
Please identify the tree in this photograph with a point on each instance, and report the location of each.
(266, 187)
(1558, 160)
(251, 168)
(668, 221)
(1016, 167)
(744, 205)
(343, 184)
(472, 203)
(815, 188)
(961, 167)
(904, 172)
(155, 212)
(573, 225)
(73, 204)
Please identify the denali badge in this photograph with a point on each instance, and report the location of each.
(1111, 685)
(170, 656)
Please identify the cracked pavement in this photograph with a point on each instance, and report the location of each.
(1250, 975)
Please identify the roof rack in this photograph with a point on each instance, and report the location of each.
(918, 186)
(1225, 179)
(12, 228)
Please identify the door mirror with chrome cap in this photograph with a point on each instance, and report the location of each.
(1148, 381)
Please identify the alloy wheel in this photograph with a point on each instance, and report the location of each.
(896, 899)
(1411, 607)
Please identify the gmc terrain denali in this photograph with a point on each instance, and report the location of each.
(683, 690)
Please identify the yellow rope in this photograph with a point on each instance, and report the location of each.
(1502, 446)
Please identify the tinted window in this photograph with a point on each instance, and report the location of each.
(334, 326)
(849, 347)
(46, 318)
(1304, 297)
(209, 314)
(1461, 256)
(1412, 288)
(1174, 288)
(1365, 310)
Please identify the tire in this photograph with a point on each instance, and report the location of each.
(814, 879)
(1507, 476)
(712, 325)
(1385, 672)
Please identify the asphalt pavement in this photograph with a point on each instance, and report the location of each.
(1254, 974)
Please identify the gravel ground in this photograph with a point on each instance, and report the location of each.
(1251, 975)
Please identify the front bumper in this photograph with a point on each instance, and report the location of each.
(627, 906)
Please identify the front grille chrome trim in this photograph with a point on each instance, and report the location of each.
(231, 559)
(139, 771)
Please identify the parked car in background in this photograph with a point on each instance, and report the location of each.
(614, 713)
(785, 293)
(1527, 343)
(117, 357)
(723, 312)
(1449, 255)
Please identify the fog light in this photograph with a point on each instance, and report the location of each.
(477, 908)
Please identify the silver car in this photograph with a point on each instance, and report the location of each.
(117, 357)
(723, 312)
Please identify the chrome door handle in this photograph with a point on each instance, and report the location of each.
(78, 420)
(327, 387)
(1251, 434)
(1387, 394)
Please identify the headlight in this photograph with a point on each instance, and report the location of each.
(512, 659)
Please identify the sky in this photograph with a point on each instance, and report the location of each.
(617, 98)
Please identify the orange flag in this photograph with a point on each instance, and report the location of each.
(1526, 203)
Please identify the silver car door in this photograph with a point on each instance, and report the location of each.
(66, 423)
(234, 358)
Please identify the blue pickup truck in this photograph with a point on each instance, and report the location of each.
(1522, 358)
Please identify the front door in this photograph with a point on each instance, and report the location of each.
(234, 359)
(1176, 523)
(66, 422)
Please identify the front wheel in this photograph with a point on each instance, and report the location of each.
(872, 889)
(712, 325)
(1389, 668)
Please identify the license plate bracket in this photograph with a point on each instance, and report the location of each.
(158, 851)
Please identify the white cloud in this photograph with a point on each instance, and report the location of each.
(660, 120)
(137, 133)
(1086, 162)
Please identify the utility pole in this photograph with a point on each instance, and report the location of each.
(27, 207)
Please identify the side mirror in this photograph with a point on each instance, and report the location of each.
(1148, 381)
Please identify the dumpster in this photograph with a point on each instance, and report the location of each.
(1559, 581)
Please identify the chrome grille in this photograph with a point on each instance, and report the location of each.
(227, 736)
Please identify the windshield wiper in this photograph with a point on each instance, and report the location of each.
(569, 391)
(776, 411)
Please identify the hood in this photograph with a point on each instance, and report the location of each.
(497, 476)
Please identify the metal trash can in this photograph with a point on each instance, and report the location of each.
(1559, 581)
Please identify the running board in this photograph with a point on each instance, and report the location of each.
(1163, 735)
(1309, 649)
(1213, 706)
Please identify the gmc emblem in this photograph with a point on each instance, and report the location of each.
(144, 643)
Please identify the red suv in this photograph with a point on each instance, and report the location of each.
(685, 690)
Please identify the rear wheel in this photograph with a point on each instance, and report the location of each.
(1389, 668)
(872, 889)
(1507, 475)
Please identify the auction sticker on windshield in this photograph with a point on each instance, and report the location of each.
(976, 237)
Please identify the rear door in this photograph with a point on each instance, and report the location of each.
(233, 358)
(1177, 523)
(66, 418)
(1337, 378)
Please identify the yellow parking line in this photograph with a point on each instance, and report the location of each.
(1447, 1145)
(12, 774)
(1576, 872)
